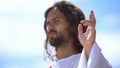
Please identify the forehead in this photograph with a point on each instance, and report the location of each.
(54, 13)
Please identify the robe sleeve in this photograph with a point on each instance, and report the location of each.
(95, 60)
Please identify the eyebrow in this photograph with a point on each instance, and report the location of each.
(56, 18)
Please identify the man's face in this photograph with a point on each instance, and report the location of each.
(57, 28)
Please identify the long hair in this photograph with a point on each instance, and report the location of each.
(73, 15)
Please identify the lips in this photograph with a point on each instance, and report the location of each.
(52, 34)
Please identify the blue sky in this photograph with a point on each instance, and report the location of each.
(22, 35)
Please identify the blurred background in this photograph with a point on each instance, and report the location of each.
(22, 35)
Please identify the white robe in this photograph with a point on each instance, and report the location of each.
(95, 60)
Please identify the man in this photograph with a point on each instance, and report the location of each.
(73, 38)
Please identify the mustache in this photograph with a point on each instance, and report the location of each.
(49, 33)
(52, 31)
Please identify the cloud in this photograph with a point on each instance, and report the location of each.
(22, 38)
(21, 30)
(111, 20)
(110, 46)
(24, 5)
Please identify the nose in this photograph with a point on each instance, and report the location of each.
(50, 27)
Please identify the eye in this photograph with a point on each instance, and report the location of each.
(56, 21)
(47, 23)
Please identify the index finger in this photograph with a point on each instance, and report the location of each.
(92, 17)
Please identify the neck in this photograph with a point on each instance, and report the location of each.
(65, 51)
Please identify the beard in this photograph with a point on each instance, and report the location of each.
(57, 40)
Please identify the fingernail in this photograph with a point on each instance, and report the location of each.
(91, 11)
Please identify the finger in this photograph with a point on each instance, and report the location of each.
(86, 22)
(92, 17)
(80, 29)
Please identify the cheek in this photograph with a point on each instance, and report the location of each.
(64, 32)
(61, 27)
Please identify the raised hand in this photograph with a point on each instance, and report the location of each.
(87, 39)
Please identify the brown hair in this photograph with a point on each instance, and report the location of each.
(73, 15)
